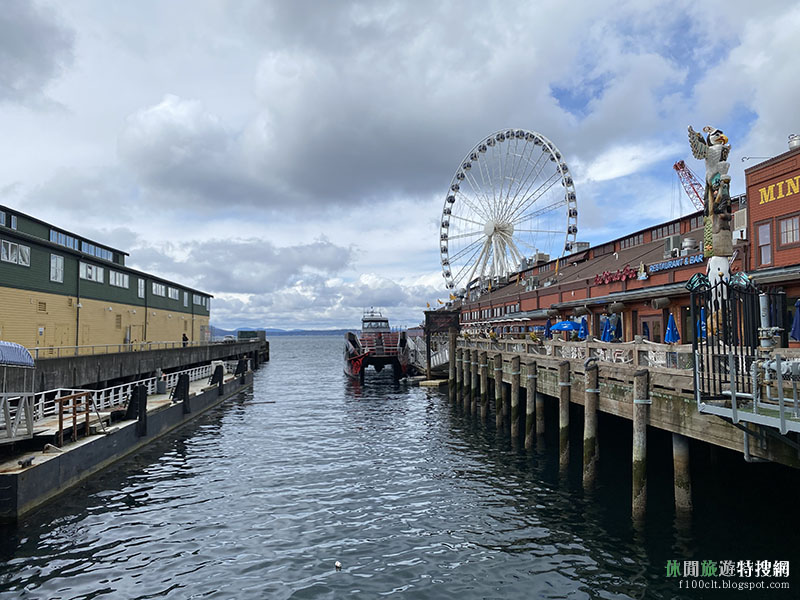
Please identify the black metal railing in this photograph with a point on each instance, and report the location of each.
(727, 318)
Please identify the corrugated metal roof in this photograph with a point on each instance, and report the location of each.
(12, 354)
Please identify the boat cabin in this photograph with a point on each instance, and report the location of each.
(374, 322)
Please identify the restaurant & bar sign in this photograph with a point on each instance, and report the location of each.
(681, 261)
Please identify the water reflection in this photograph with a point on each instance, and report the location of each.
(411, 494)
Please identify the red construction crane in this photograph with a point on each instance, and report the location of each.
(694, 189)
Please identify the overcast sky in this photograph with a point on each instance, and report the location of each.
(292, 157)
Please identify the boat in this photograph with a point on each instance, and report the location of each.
(377, 346)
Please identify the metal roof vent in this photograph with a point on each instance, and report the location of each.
(794, 141)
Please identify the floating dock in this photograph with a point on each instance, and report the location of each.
(28, 479)
(99, 409)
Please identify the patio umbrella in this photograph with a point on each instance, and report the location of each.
(795, 333)
(646, 331)
(547, 326)
(701, 324)
(583, 332)
(565, 326)
(606, 337)
(671, 336)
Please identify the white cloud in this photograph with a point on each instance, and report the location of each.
(622, 161)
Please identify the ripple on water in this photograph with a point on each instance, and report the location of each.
(260, 500)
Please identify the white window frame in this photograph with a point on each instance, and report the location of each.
(57, 268)
(185, 299)
(142, 287)
(173, 293)
(92, 273)
(118, 279)
(159, 289)
(15, 253)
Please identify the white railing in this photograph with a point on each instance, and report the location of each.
(16, 417)
(418, 353)
(46, 405)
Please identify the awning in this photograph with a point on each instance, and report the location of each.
(12, 354)
(672, 289)
(779, 274)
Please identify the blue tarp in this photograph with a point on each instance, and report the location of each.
(12, 354)
(565, 326)
(671, 336)
(795, 333)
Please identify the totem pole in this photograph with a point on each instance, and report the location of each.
(717, 236)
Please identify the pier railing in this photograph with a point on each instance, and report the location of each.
(637, 354)
(58, 351)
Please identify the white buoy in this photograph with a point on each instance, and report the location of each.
(338, 565)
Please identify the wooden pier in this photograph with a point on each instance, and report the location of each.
(626, 381)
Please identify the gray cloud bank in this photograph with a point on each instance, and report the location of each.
(281, 117)
(34, 49)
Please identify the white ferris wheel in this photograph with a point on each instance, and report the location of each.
(511, 198)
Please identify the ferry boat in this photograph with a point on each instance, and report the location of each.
(378, 346)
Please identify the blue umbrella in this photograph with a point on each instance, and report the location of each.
(701, 324)
(565, 326)
(583, 332)
(606, 337)
(795, 333)
(646, 331)
(671, 336)
(547, 326)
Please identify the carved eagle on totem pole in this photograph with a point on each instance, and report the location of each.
(714, 149)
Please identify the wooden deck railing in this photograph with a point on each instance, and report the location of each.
(645, 354)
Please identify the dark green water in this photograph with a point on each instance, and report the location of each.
(414, 498)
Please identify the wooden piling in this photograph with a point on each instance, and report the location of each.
(683, 482)
(467, 378)
(563, 413)
(451, 364)
(515, 377)
(641, 401)
(498, 391)
(483, 361)
(530, 403)
(458, 358)
(539, 420)
(475, 382)
(591, 398)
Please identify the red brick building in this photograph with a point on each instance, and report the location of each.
(641, 277)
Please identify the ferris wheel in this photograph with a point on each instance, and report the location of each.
(511, 198)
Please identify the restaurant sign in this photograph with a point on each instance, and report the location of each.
(676, 263)
(611, 276)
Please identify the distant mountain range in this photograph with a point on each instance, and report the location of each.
(217, 332)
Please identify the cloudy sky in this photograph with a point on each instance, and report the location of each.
(292, 157)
